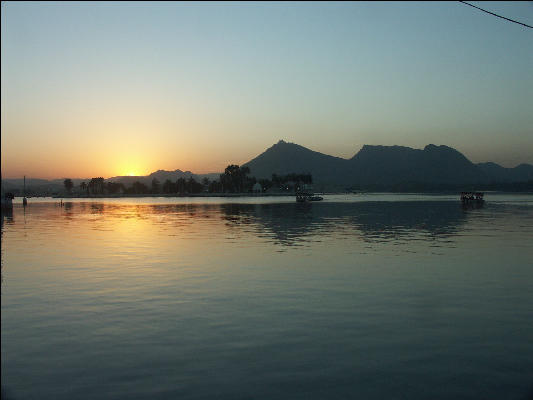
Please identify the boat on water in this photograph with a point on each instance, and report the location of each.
(472, 198)
(306, 196)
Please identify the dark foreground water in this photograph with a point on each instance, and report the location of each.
(356, 297)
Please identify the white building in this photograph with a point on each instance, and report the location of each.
(257, 188)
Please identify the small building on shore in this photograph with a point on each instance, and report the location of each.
(257, 188)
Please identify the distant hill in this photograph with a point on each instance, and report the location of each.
(162, 176)
(33, 186)
(497, 173)
(372, 166)
(384, 165)
(397, 164)
(56, 186)
(284, 158)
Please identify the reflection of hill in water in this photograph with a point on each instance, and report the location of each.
(292, 223)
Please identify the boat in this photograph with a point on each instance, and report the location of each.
(472, 198)
(306, 196)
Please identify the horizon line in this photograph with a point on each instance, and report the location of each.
(278, 142)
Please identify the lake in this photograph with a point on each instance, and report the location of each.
(370, 296)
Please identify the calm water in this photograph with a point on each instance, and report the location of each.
(357, 297)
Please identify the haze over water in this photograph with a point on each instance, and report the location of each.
(367, 296)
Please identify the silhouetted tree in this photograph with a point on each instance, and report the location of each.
(169, 187)
(205, 182)
(193, 186)
(230, 178)
(83, 186)
(215, 187)
(68, 184)
(291, 181)
(114, 187)
(181, 185)
(234, 179)
(224, 183)
(265, 184)
(244, 181)
(96, 185)
(276, 181)
(156, 187)
(139, 188)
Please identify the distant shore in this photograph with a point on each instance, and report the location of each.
(101, 196)
(226, 195)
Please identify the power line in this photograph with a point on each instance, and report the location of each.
(499, 16)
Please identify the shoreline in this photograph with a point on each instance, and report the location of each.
(237, 195)
(118, 196)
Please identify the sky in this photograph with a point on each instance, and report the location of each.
(107, 89)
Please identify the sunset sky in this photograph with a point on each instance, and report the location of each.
(106, 89)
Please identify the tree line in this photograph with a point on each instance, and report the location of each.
(235, 179)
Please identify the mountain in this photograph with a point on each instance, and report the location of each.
(56, 186)
(373, 166)
(397, 164)
(162, 175)
(497, 173)
(284, 158)
(384, 165)
(46, 187)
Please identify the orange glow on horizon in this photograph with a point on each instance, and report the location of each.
(131, 166)
(130, 173)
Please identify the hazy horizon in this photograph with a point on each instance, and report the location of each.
(112, 89)
(194, 172)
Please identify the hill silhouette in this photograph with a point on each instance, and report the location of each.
(284, 158)
(397, 164)
(373, 167)
(497, 173)
(162, 175)
(384, 165)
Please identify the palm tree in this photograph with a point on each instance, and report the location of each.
(168, 187)
(139, 188)
(68, 184)
(232, 177)
(97, 185)
(156, 187)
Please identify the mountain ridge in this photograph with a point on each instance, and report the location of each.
(371, 165)
(383, 165)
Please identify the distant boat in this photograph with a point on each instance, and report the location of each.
(472, 198)
(304, 196)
